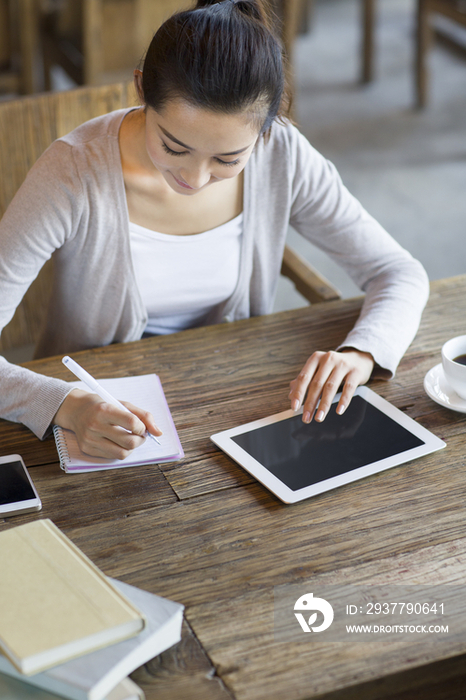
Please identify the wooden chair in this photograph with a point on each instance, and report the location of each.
(19, 46)
(453, 9)
(27, 127)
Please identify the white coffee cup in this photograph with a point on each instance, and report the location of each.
(455, 372)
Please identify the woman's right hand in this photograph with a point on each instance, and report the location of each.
(104, 430)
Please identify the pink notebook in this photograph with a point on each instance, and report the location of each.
(144, 391)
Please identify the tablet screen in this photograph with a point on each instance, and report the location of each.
(301, 454)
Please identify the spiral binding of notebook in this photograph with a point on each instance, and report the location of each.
(62, 447)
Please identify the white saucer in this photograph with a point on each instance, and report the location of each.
(439, 390)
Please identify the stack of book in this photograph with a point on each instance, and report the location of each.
(68, 630)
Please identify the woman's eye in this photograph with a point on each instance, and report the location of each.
(171, 152)
(224, 162)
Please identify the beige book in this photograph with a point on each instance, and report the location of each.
(55, 604)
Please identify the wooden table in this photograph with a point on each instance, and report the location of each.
(202, 532)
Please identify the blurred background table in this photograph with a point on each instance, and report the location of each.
(202, 532)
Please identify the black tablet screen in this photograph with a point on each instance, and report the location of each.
(302, 454)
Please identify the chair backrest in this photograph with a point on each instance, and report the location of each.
(27, 127)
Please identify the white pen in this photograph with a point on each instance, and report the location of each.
(97, 388)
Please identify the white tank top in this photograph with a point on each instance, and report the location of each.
(182, 278)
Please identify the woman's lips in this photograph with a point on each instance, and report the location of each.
(183, 184)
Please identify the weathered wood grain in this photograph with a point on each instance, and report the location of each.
(255, 665)
(442, 680)
(94, 497)
(18, 438)
(183, 672)
(201, 531)
(223, 544)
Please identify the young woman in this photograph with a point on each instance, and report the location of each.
(175, 215)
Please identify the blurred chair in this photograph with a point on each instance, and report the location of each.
(454, 10)
(308, 281)
(19, 46)
(100, 41)
(27, 127)
(293, 18)
(292, 15)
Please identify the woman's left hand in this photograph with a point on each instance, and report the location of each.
(321, 378)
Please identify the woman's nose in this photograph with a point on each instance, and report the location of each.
(196, 178)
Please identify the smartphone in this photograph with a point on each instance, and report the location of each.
(17, 492)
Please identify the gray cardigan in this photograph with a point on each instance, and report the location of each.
(73, 205)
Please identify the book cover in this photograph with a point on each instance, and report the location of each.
(15, 689)
(91, 677)
(144, 391)
(55, 604)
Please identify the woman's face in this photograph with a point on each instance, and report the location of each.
(193, 147)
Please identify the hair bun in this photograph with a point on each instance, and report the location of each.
(250, 8)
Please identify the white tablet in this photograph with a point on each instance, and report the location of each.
(297, 460)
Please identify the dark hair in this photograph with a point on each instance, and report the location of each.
(221, 56)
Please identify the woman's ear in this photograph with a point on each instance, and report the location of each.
(137, 76)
